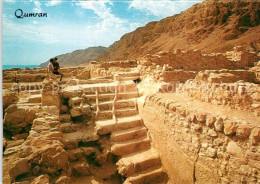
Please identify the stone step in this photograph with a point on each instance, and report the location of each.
(94, 81)
(151, 176)
(138, 162)
(28, 104)
(65, 118)
(105, 115)
(107, 126)
(35, 98)
(75, 101)
(131, 146)
(120, 104)
(79, 90)
(126, 112)
(34, 92)
(84, 135)
(91, 98)
(132, 133)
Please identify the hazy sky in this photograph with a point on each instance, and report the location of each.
(72, 25)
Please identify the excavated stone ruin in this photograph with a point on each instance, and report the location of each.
(136, 122)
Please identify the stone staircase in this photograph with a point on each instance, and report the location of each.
(139, 163)
(117, 116)
(31, 99)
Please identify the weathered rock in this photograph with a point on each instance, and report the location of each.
(51, 156)
(197, 127)
(81, 168)
(30, 115)
(42, 179)
(70, 144)
(25, 151)
(14, 119)
(63, 180)
(211, 152)
(191, 118)
(14, 143)
(9, 98)
(243, 131)
(219, 125)
(75, 112)
(255, 136)
(89, 150)
(230, 128)
(201, 117)
(4, 142)
(212, 133)
(210, 120)
(20, 136)
(233, 149)
(75, 154)
(21, 166)
(12, 150)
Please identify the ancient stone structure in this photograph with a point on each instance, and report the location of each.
(167, 118)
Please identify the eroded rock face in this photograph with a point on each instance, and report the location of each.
(195, 28)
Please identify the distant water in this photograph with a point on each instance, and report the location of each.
(19, 66)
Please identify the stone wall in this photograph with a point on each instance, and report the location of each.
(18, 119)
(121, 64)
(165, 73)
(99, 71)
(196, 61)
(202, 147)
(38, 75)
(41, 154)
(9, 98)
(223, 88)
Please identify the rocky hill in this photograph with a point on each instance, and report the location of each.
(211, 26)
(78, 57)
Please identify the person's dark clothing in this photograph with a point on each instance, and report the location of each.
(56, 66)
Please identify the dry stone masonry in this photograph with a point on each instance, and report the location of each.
(173, 117)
